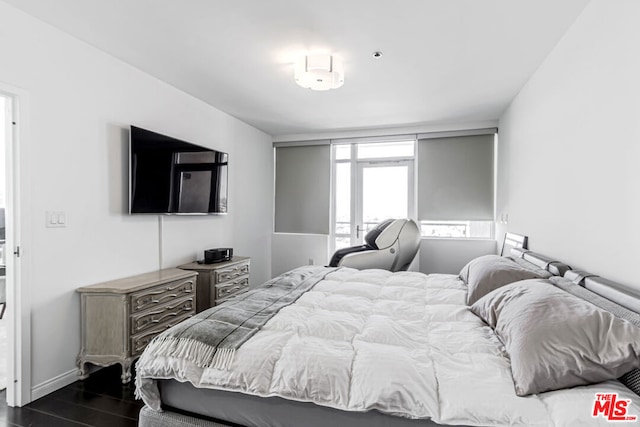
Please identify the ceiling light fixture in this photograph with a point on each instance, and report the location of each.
(319, 72)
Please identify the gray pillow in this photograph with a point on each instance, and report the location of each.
(486, 273)
(556, 340)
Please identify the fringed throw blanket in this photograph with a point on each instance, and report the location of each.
(210, 339)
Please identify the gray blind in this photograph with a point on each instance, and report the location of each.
(303, 184)
(456, 178)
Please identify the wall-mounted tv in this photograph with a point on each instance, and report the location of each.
(174, 177)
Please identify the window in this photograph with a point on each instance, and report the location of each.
(302, 189)
(457, 229)
(373, 181)
(343, 152)
(345, 187)
(342, 227)
(456, 183)
(385, 150)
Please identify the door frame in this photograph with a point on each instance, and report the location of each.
(355, 169)
(357, 221)
(17, 218)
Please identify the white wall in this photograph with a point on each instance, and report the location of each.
(81, 102)
(570, 147)
(435, 255)
(448, 256)
(293, 250)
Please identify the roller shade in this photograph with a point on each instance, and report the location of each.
(303, 185)
(456, 178)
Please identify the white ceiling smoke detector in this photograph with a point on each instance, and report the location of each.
(319, 72)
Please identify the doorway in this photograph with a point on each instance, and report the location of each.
(15, 351)
(4, 347)
(372, 182)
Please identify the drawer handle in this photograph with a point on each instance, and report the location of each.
(170, 288)
(149, 298)
(142, 303)
(234, 272)
(162, 319)
(150, 318)
(229, 290)
(232, 276)
(141, 342)
(174, 314)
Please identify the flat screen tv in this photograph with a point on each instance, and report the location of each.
(174, 177)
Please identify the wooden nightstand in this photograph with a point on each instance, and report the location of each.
(220, 281)
(119, 318)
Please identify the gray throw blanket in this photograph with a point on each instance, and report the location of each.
(210, 338)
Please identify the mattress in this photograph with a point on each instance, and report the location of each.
(247, 410)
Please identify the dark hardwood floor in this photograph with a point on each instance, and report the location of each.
(101, 400)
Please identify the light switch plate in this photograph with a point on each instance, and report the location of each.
(56, 219)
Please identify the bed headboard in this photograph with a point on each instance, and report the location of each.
(557, 268)
(621, 294)
(512, 241)
(613, 291)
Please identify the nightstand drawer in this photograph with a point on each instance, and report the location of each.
(218, 281)
(119, 317)
(158, 295)
(225, 290)
(162, 314)
(232, 272)
(139, 342)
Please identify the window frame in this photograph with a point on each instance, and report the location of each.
(467, 223)
(356, 180)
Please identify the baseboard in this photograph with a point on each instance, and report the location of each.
(55, 383)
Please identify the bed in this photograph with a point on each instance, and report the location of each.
(399, 349)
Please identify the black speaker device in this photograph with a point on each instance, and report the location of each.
(211, 256)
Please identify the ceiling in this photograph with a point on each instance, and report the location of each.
(444, 61)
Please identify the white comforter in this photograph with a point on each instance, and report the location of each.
(404, 343)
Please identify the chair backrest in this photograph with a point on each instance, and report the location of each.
(409, 243)
(404, 232)
(391, 245)
(374, 233)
